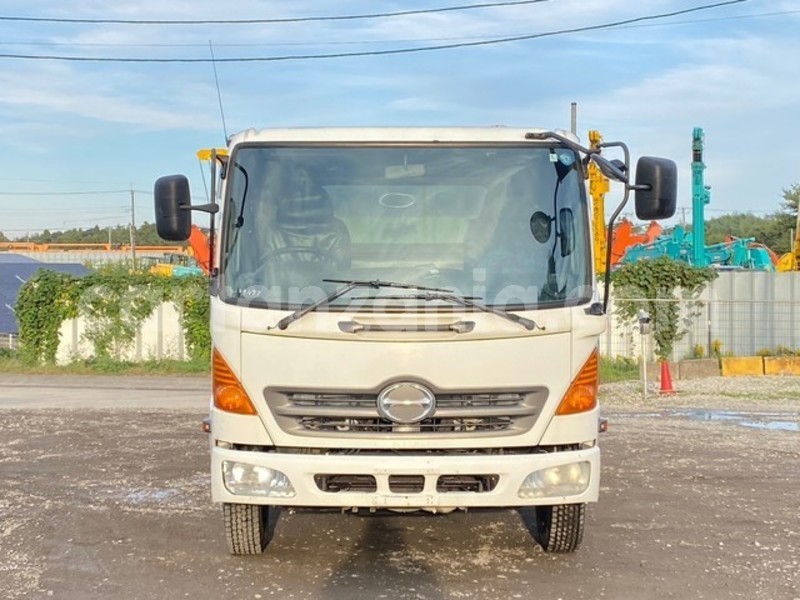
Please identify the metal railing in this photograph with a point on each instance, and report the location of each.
(9, 341)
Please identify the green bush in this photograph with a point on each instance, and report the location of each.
(114, 301)
(657, 286)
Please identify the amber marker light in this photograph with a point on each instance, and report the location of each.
(582, 393)
(229, 395)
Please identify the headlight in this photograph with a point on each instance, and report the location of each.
(253, 480)
(563, 480)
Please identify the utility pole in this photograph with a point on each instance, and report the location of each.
(133, 230)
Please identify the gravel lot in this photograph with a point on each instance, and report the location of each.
(105, 494)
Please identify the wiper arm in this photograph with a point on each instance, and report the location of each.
(409, 297)
(350, 285)
(381, 283)
(467, 301)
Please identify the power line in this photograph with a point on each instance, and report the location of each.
(402, 13)
(381, 52)
(717, 19)
(71, 193)
(363, 42)
(75, 193)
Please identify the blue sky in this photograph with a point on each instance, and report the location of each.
(88, 128)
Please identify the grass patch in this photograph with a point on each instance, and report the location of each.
(611, 369)
(618, 369)
(11, 363)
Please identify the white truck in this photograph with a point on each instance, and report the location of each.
(406, 319)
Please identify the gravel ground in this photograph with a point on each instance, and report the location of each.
(722, 393)
(699, 499)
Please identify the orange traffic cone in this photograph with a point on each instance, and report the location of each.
(666, 379)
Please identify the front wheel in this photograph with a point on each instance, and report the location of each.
(248, 527)
(559, 528)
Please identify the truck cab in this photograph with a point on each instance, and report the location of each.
(403, 318)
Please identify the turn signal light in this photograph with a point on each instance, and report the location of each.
(582, 393)
(229, 395)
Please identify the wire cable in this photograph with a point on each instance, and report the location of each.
(365, 42)
(493, 41)
(401, 13)
(76, 193)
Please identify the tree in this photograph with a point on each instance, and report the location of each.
(146, 235)
(772, 230)
(791, 199)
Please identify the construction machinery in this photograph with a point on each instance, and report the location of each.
(598, 188)
(791, 260)
(734, 253)
(625, 236)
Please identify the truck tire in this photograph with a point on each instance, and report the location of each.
(559, 528)
(247, 527)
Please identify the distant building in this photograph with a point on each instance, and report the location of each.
(15, 270)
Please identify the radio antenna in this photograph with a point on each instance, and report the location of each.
(219, 92)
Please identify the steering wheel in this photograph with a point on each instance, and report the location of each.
(316, 255)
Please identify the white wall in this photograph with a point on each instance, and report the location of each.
(159, 336)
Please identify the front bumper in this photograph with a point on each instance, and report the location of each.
(301, 470)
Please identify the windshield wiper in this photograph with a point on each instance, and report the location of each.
(468, 302)
(350, 285)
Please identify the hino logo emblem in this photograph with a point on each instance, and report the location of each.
(406, 403)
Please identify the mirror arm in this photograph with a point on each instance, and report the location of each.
(610, 170)
(212, 224)
(609, 238)
(620, 176)
(206, 208)
(547, 135)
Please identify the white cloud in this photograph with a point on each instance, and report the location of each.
(61, 91)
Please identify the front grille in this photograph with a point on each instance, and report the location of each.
(406, 484)
(346, 483)
(466, 483)
(463, 414)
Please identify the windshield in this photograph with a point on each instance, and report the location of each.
(507, 225)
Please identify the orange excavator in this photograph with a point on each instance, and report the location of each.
(200, 249)
(625, 236)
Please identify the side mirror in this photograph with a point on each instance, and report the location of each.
(566, 226)
(173, 213)
(656, 188)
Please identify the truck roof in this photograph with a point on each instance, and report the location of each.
(391, 134)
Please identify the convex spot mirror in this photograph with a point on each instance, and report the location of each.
(173, 221)
(656, 188)
(541, 226)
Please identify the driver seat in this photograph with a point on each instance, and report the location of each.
(306, 242)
